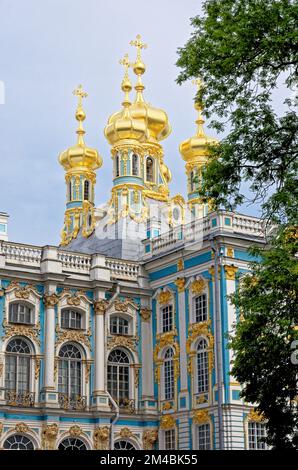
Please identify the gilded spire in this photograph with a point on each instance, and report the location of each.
(80, 113)
(200, 121)
(139, 67)
(126, 85)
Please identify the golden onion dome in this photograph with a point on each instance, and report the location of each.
(166, 172)
(122, 125)
(79, 155)
(196, 148)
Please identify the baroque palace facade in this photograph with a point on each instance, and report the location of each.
(117, 339)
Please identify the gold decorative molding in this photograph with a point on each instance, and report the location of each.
(145, 314)
(37, 367)
(87, 371)
(50, 300)
(122, 306)
(166, 406)
(1, 428)
(48, 436)
(230, 272)
(101, 438)
(211, 271)
(230, 252)
(72, 335)
(199, 329)
(180, 283)
(198, 286)
(167, 422)
(166, 339)
(201, 399)
(75, 431)
(255, 416)
(29, 331)
(22, 428)
(129, 342)
(201, 417)
(164, 297)
(149, 438)
(100, 307)
(22, 292)
(126, 433)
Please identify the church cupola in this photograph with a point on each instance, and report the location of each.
(80, 163)
(195, 151)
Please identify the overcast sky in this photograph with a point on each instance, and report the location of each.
(49, 47)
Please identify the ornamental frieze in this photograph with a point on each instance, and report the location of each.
(129, 342)
(22, 428)
(31, 332)
(122, 306)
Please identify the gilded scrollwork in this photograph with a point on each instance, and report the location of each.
(255, 416)
(75, 431)
(22, 428)
(180, 283)
(29, 331)
(164, 297)
(101, 437)
(149, 438)
(100, 307)
(167, 422)
(145, 314)
(72, 335)
(201, 417)
(50, 300)
(129, 342)
(198, 286)
(48, 436)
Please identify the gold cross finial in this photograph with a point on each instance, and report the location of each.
(139, 45)
(199, 83)
(80, 93)
(126, 64)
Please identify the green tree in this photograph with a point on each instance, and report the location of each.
(245, 52)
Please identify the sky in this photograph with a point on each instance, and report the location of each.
(46, 49)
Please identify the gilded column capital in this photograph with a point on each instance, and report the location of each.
(180, 283)
(100, 307)
(230, 272)
(145, 314)
(50, 300)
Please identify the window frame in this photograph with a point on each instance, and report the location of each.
(71, 312)
(78, 372)
(118, 319)
(202, 383)
(152, 171)
(204, 307)
(24, 305)
(16, 365)
(259, 445)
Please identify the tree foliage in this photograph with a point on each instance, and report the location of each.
(245, 52)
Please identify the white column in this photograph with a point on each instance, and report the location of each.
(99, 353)
(147, 353)
(50, 300)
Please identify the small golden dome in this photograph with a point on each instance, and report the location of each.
(196, 148)
(121, 125)
(166, 172)
(80, 156)
(156, 120)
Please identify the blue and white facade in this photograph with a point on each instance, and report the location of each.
(103, 353)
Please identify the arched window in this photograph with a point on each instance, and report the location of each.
(118, 376)
(124, 445)
(200, 305)
(86, 190)
(20, 313)
(72, 443)
(71, 319)
(169, 375)
(118, 326)
(167, 318)
(117, 165)
(18, 442)
(17, 365)
(70, 371)
(202, 367)
(203, 437)
(149, 169)
(135, 165)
